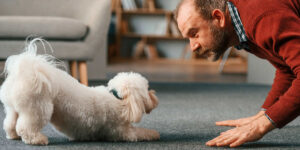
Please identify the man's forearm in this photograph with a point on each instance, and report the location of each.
(287, 108)
(282, 83)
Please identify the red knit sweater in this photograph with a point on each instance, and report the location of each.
(273, 30)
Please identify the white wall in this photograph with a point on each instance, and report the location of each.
(260, 71)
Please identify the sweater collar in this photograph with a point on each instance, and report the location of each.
(238, 26)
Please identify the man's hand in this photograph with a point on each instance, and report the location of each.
(240, 122)
(250, 132)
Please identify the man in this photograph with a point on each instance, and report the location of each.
(270, 29)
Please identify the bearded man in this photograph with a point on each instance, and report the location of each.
(269, 29)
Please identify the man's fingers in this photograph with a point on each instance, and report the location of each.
(229, 137)
(238, 142)
(213, 141)
(221, 139)
(227, 141)
(218, 139)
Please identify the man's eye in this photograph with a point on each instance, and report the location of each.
(193, 34)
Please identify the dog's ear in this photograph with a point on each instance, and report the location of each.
(152, 103)
(134, 107)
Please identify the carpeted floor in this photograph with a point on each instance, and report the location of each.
(185, 119)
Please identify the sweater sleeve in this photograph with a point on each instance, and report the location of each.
(279, 32)
(282, 82)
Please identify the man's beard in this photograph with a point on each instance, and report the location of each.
(219, 43)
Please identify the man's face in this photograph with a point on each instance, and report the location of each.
(205, 37)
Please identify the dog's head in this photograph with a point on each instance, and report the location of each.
(132, 88)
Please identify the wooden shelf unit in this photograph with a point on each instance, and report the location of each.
(122, 32)
(122, 27)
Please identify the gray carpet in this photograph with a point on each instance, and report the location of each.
(185, 119)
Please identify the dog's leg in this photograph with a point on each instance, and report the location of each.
(9, 123)
(32, 120)
(141, 134)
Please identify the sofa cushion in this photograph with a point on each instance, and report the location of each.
(15, 27)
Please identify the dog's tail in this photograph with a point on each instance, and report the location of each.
(30, 65)
(30, 52)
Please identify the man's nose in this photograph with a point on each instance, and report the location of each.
(194, 45)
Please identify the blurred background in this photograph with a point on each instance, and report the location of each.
(144, 37)
(98, 39)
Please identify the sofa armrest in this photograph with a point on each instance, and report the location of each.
(98, 20)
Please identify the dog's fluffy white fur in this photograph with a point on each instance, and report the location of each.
(36, 92)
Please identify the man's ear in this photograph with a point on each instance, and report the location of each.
(218, 18)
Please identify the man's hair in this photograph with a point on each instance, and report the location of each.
(204, 7)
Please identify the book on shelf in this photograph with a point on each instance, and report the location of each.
(146, 49)
(132, 4)
(139, 49)
(151, 51)
(149, 4)
(124, 26)
(129, 4)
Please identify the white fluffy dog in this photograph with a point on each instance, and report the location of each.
(36, 92)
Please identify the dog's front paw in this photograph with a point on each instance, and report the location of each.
(39, 139)
(153, 135)
(12, 135)
(146, 134)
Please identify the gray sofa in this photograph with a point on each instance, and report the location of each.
(76, 29)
